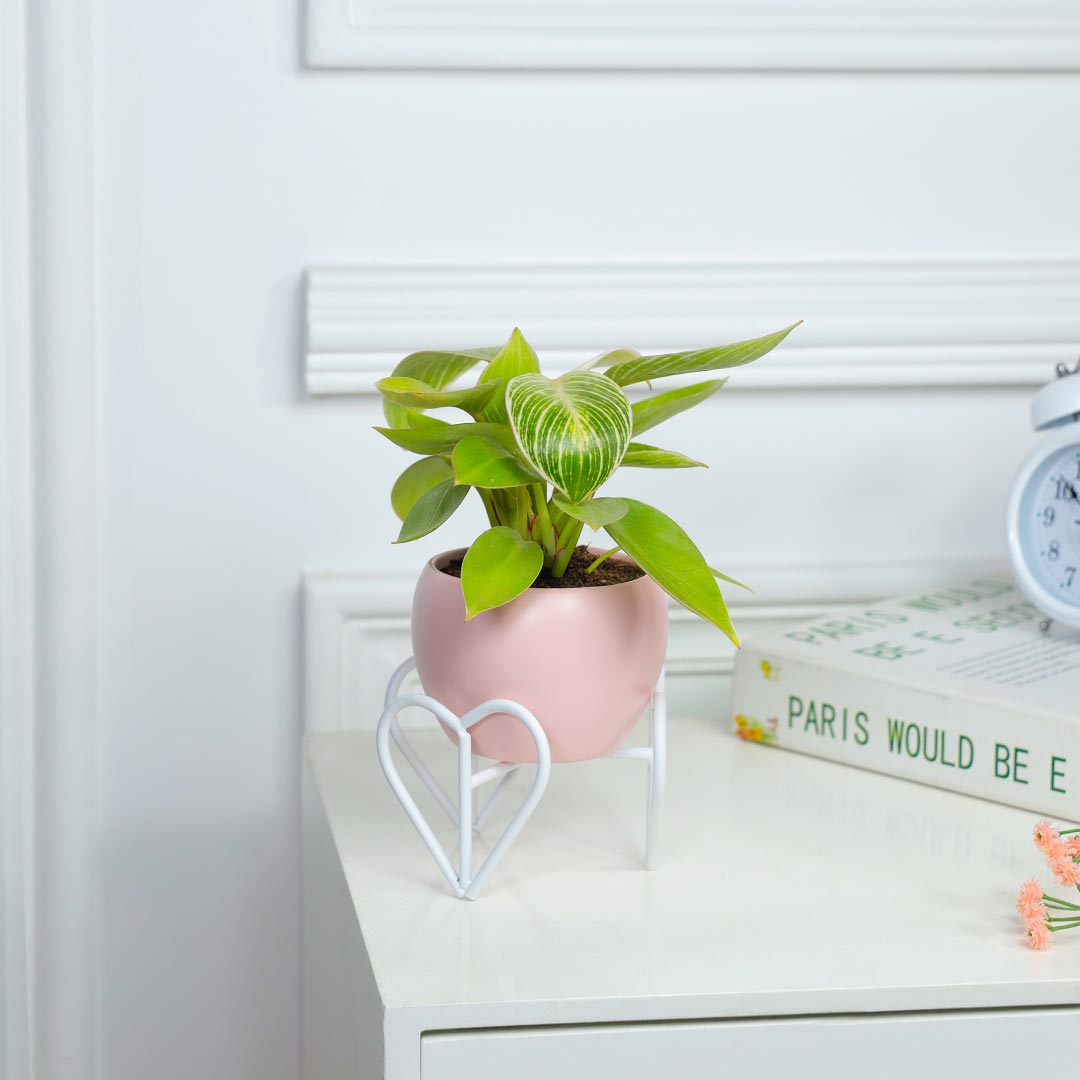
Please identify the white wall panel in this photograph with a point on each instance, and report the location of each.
(226, 167)
(866, 323)
(808, 35)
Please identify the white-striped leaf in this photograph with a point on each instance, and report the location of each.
(647, 368)
(573, 430)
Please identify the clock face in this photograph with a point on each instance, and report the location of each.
(1045, 528)
(1054, 545)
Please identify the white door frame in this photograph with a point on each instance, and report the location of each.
(49, 540)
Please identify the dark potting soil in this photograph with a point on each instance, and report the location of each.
(612, 571)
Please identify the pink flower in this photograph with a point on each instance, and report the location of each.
(1037, 931)
(1072, 846)
(1029, 902)
(1065, 871)
(1046, 836)
(1035, 927)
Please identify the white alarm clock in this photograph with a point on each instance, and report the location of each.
(1044, 506)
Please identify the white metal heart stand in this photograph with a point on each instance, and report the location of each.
(469, 817)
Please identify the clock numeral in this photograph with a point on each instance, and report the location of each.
(1063, 489)
(1070, 573)
(1048, 516)
(1053, 552)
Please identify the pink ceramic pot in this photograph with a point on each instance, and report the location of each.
(583, 661)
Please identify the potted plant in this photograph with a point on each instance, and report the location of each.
(575, 633)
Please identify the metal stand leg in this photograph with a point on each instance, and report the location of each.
(466, 815)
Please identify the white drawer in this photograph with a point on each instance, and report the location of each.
(990, 1043)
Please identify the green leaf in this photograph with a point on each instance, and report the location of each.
(485, 464)
(517, 357)
(732, 581)
(606, 359)
(438, 369)
(418, 479)
(647, 368)
(418, 419)
(414, 394)
(596, 513)
(442, 438)
(642, 456)
(499, 566)
(573, 430)
(431, 510)
(664, 551)
(655, 410)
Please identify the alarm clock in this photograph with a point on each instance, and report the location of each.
(1044, 504)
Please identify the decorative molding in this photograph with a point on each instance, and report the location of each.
(872, 324)
(61, 91)
(356, 624)
(17, 622)
(827, 35)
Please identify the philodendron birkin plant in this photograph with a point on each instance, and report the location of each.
(536, 451)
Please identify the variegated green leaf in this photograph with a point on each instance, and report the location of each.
(573, 430)
(642, 456)
(485, 464)
(655, 410)
(437, 369)
(431, 510)
(663, 550)
(647, 368)
(418, 479)
(498, 566)
(596, 513)
(517, 357)
(442, 438)
(414, 394)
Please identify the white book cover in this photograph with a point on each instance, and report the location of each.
(963, 688)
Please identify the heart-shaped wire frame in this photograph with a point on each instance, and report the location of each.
(461, 879)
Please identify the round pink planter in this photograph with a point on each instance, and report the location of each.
(583, 661)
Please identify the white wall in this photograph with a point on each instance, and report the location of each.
(223, 170)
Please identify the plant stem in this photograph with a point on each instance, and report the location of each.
(543, 520)
(1061, 905)
(568, 541)
(522, 513)
(489, 506)
(558, 519)
(600, 558)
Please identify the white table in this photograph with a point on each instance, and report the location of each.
(806, 919)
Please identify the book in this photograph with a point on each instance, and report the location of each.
(965, 688)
